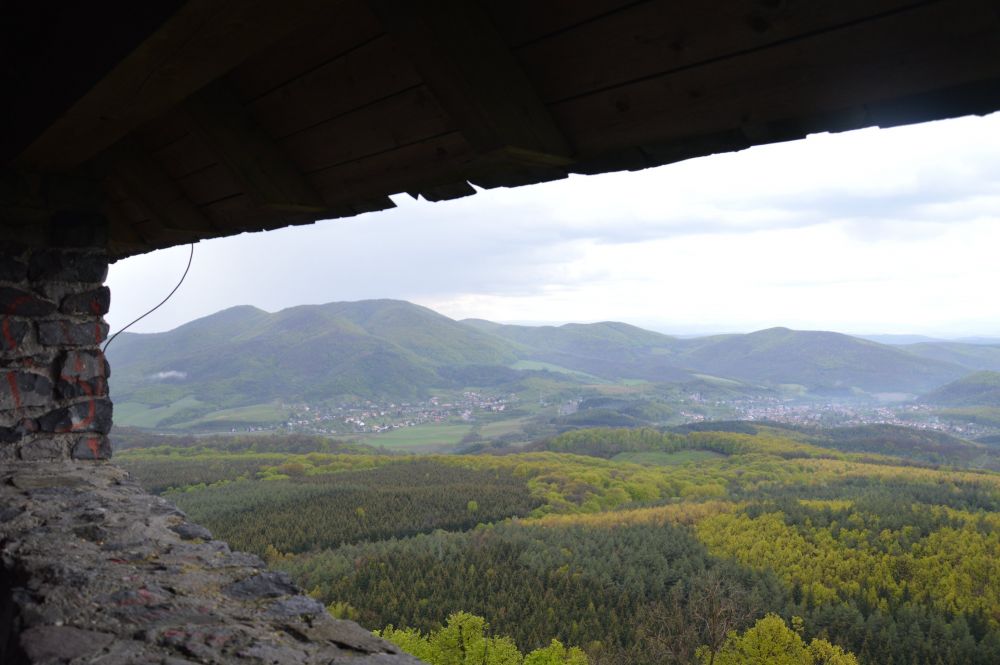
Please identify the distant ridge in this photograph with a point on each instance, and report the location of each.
(978, 389)
(393, 349)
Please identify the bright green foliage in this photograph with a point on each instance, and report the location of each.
(771, 642)
(556, 654)
(463, 641)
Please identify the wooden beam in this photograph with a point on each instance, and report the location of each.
(474, 76)
(143, 181)
(266, 173)
(199, 43)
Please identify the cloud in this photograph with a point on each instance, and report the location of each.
(887, 230)
(168, 375)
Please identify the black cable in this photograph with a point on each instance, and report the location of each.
(162, 303)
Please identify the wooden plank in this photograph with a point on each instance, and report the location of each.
(473, 74)
(239, 214)
(125, 239)
(161, 132)
(371, 72)
(655, 38)
(521, 21)
(211, 184)
(304, 50)
(872, 62)
(53, 53)
(443, 192)
(199, 43)
(144, 182)
(185, 156)
(404, 118)
(395, 171)
(266, 173)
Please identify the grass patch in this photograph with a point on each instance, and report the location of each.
(421, 437)
(539, 366)
(134, 414)
(503, 427)
(244, 415)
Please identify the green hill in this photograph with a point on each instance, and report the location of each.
(971, 356)
(244, 356)
(979, 389)
(817, 360)
(608, 350)
(237, 367)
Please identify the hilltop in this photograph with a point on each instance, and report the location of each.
(242, 364)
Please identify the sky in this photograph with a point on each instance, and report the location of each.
(893, 231)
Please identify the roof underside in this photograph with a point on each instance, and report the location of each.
(184, 121)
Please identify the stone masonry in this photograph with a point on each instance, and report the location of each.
(53, 376)
(95, 571)
(92, 569)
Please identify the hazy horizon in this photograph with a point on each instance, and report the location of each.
(871, 232)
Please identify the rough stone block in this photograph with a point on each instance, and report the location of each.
(43, 449)
(60, 644)
(81, 374)
(19, 389)
(91, 446)
(13, 270)
(268, 584)
(69, 333)
(18, 302)
(94, 415)
(190, 531)
(55, 265)
(95, 302)
(12, 334)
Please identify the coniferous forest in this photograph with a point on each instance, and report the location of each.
(612, 546)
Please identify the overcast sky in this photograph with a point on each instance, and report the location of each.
(873, 231)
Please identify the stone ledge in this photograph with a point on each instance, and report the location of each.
(94, 570)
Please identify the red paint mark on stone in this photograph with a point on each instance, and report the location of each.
(14, 390)
(7, 335)
(95, 447)
(16, 303)
(91, 409)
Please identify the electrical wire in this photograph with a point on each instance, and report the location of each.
(162, 303)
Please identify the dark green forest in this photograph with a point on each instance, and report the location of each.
(637, 546)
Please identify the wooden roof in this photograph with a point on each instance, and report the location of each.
(187, 120)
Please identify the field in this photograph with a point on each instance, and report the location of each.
(421, 438)
(134, 414)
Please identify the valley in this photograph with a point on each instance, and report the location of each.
(587, 494)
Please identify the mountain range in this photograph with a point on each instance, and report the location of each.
(394, 349)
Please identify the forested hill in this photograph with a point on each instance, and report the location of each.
(979, 389)
(817, 359)
(245, 356)
(388, 348)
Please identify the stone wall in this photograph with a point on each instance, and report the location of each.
(53, 376)
(95, 571)
(92, 569)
